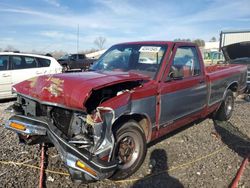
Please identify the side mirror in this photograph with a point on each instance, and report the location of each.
(175, 74)
(170, 77)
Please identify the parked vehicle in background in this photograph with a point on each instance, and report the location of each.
(239, 53)
(100, 121)
(17, 67)
(213, 57)
(75, 61)
(233, 36)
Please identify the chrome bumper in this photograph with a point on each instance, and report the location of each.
(68, 153)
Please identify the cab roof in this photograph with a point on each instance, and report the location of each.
(170, 43)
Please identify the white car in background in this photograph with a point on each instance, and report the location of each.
(17, 67)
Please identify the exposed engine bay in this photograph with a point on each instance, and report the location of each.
(91, 130)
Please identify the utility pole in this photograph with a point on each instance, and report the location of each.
(77, 43)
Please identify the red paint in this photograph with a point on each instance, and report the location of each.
(77, 87)
(240, 172)
(179, 123)
(41, 178)
(217, 72)
(168, 87)
(118, 101)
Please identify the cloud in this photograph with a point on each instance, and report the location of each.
(122, 20)
(58, 35)
(118, 7)
(221, 11)
(69, 20)
(53, 2)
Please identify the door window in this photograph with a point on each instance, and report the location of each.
(30, 62)
(17, 62)
(73, 57)
(4, 62)
(43, 62)
(81, 56)
(186, 63)
(23, 62)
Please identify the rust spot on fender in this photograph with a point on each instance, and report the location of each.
(55, 87)
(33, 81)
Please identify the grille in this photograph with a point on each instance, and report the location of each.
(62, 118)
(248, 76)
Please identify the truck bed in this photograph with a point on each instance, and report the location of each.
(221, 76)
(214, 69)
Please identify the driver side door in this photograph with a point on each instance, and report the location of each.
(183, 91)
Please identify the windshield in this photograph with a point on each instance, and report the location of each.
(65, 57)
(145, 59)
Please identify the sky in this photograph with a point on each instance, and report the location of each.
(48, 25)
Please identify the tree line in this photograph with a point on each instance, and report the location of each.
(99, 42)
(199, 42)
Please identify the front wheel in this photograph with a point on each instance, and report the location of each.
(226, 109)
(130, 149)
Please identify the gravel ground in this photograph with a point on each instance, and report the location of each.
(207, 154)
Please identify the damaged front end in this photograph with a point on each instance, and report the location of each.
(73, 112)
(84, 141)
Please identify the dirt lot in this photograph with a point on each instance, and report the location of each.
(207, 154)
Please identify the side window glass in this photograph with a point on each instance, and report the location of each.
(17, 62)
(73, 57)
(81, 56)
(30, 62)
(4, 62)
(186, 63)
(43, 62)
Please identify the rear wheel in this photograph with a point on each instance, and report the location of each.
(130, 149)
(226, 109)
(65, 68)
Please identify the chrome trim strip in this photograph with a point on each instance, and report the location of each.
(50, 131)
(30, 128)
(59, 138)
(217, 101)
(182, 116)
(71, 162)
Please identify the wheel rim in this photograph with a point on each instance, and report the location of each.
(128, 150)
(229, 105)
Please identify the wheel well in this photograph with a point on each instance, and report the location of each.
(142, 120)
(233, 87)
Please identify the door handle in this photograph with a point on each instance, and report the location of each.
(39, 72)
(6, 75)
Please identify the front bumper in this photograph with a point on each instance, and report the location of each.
(95, 169)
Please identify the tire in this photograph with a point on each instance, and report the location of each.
(226, 108)
(65, 68)
(129, 138)
(247, 98)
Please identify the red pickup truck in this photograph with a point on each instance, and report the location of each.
(101, 121)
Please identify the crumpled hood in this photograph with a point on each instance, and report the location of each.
(71, 89)
(237, 50)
